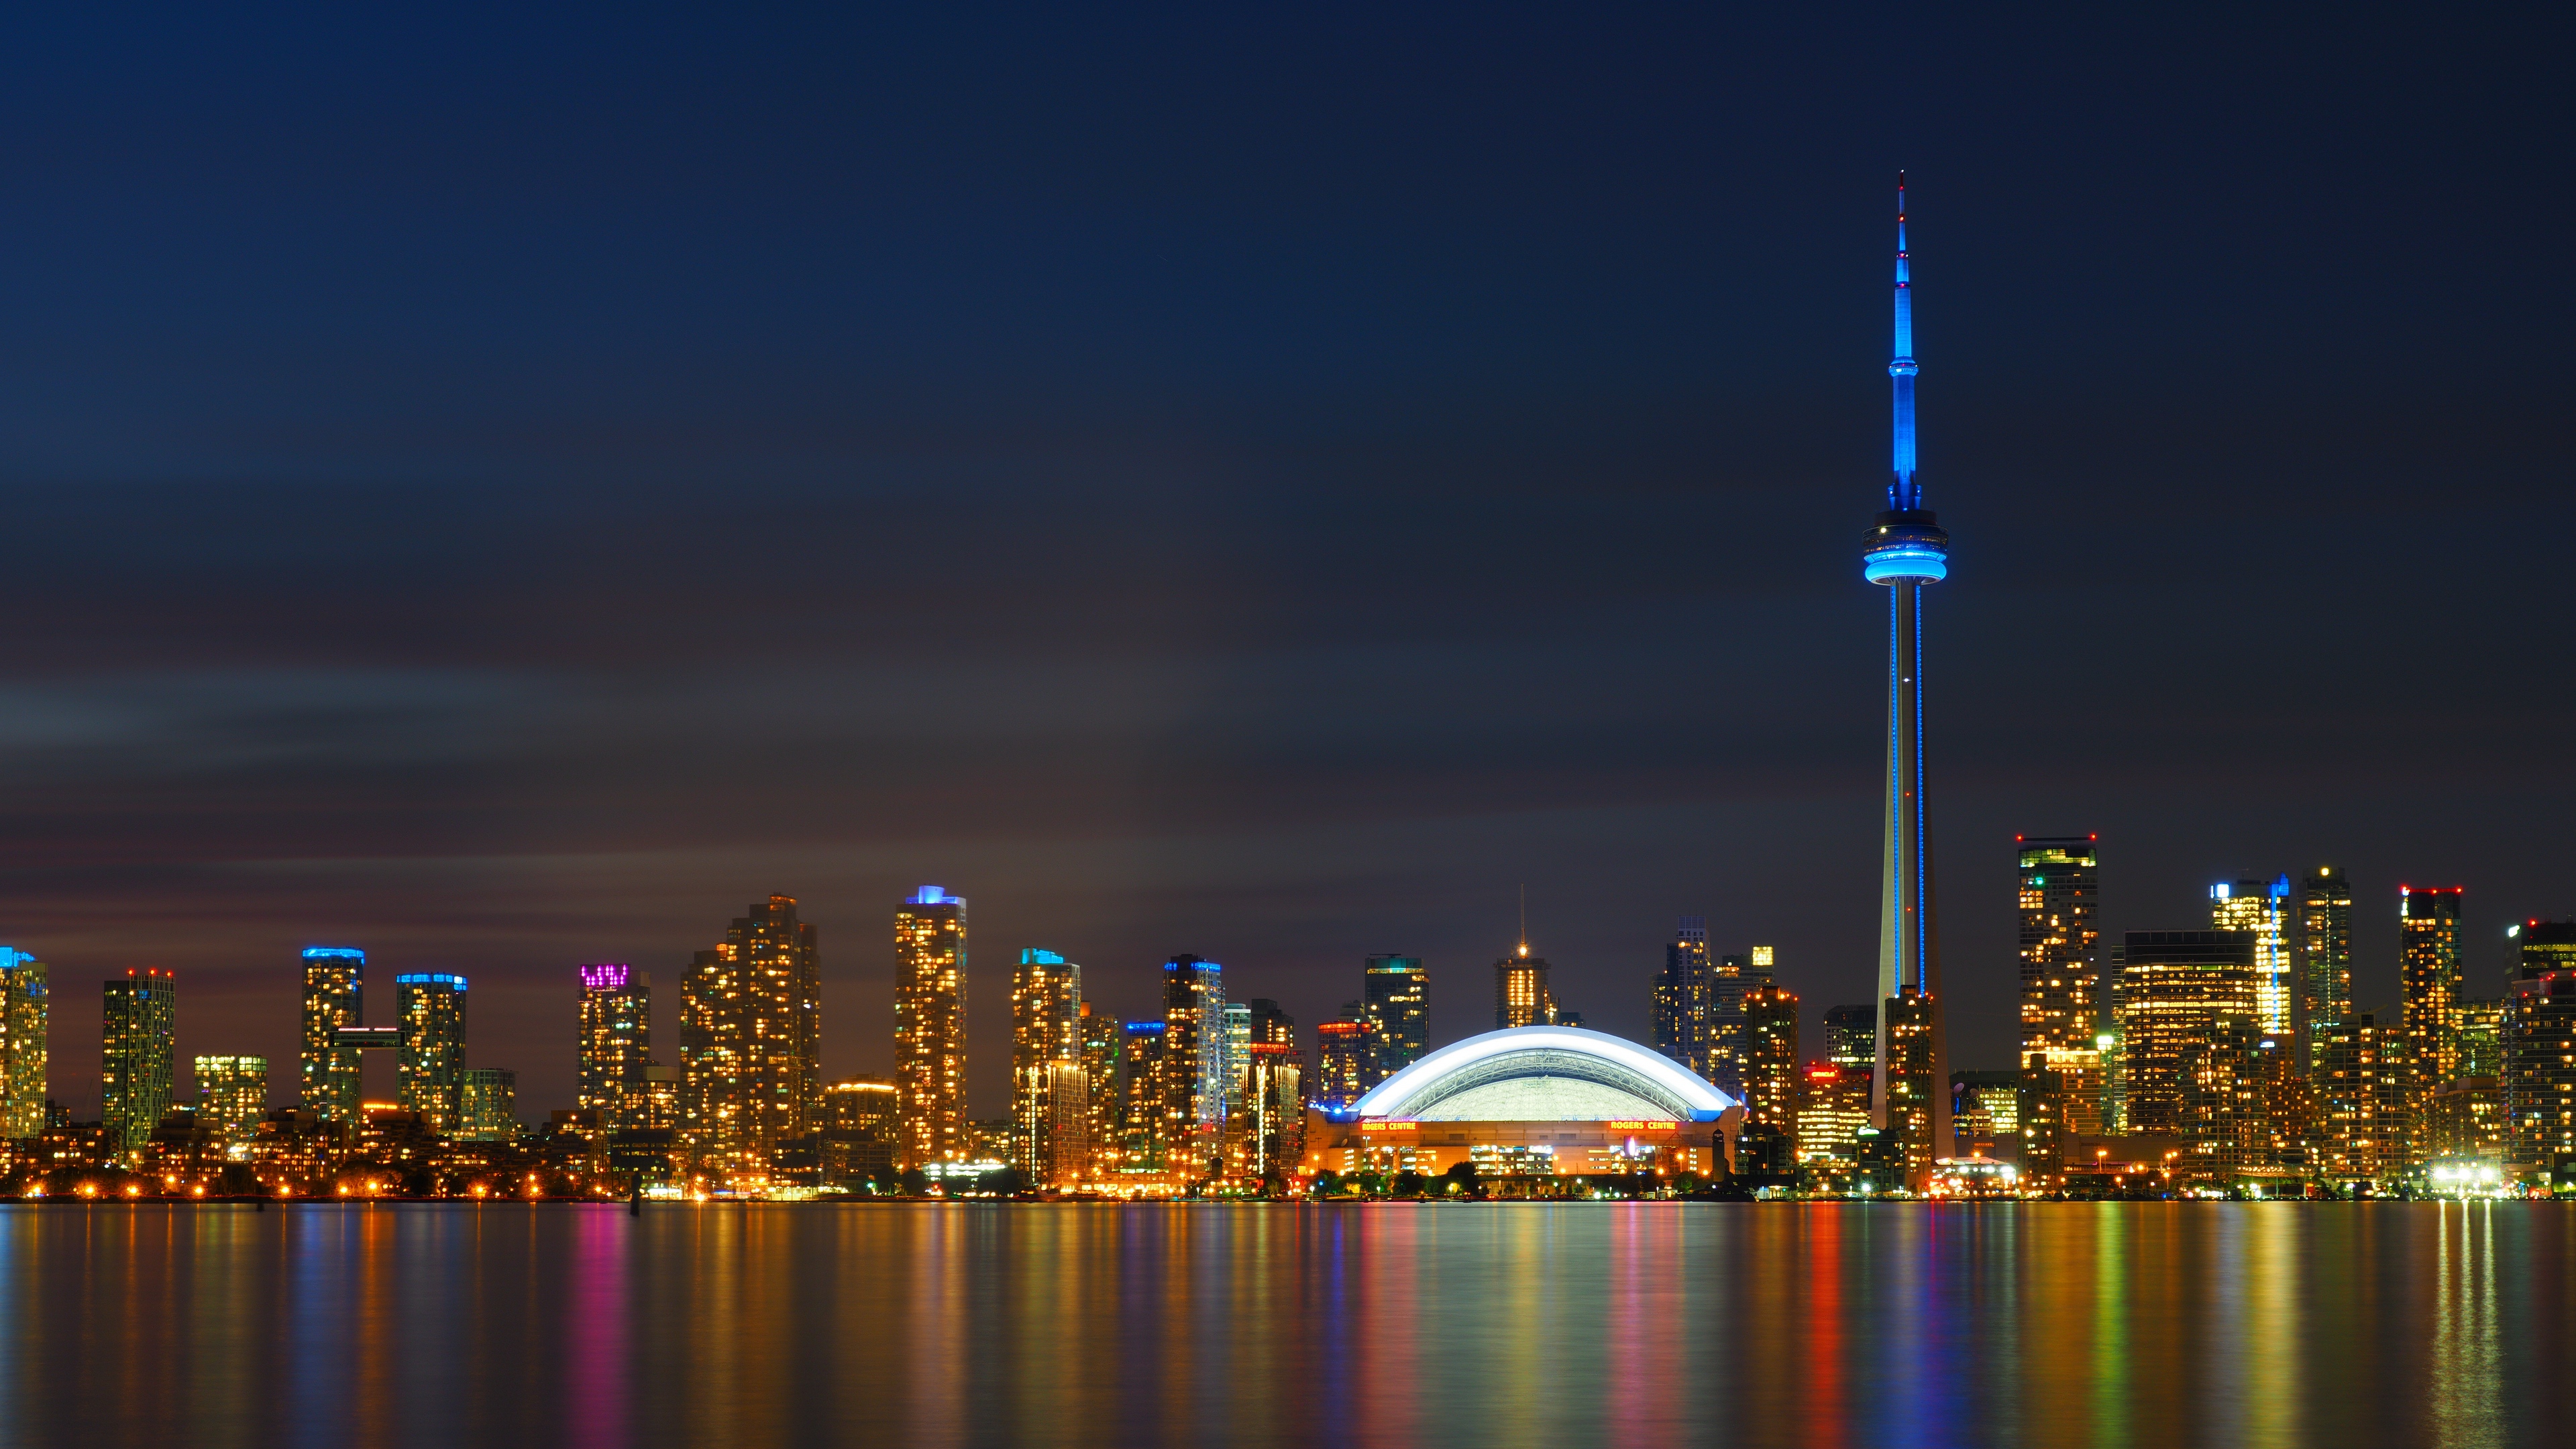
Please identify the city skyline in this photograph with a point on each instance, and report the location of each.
(1431, 513)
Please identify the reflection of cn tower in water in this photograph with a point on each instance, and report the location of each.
(1907, 550)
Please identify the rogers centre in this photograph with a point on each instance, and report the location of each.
(1533, 1102)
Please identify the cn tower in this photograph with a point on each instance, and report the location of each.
(1909, 1091)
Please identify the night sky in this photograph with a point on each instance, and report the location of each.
(506, 491)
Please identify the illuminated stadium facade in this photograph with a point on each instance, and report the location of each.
(1532, 1102)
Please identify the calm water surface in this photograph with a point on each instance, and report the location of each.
(1506, 1324)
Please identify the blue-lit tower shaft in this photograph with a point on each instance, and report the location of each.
(1907, 550)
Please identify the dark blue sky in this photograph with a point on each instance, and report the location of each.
(507, 490)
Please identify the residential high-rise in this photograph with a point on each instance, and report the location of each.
(335, 979)
(1521, 995)
(1684, 995)
(2322, 953)
(1238, 1041)
(487, 1105)
(2177, 988)
(1729, 978)
(2360, 1102)
(1834, 1109)
(1851, 1037)
(930, 1026)
(2062, 1002)
(1142, 1125)
(2542, 947)
(2264, 910)
(616, 1022)
(750, 1037)
(432, 1060)
(1907, 550)
(1046, 1033)
(25, 1011)
(1395, 995)
(2245, 1105)
(1345, 1062)
(1101, 1043)
(232, 1098)
(1918, 1101)
(2479, 1025)
(1269, 1138)
(2539, 1086)
(1771, 1058)
(2428, 966)
(137, 1036)
(1194, 1063)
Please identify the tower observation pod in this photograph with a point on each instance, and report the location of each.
(1906, 549)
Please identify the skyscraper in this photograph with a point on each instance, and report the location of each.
(1906, 550)
(1238, 1043)
(232, 1097)
(750, 1033)
(1683, 996)
(487, 1104)
(616, 1043)
(2428, 964)
(2179, 987)
(1102, 1042)
(335, 979)
(1851, 1037)
(1143, 1127)
(930, 1026)
(2264, 910)
(25, 1019)
(2323, 950)
(1345, 1062)
(1521, 994)
(2360, 1101)
(432, 1061)
(1728, 980)
(2539, 1087)
(2061, 945)
(137, 1036)
(1270, 1136)
(1194, 1063)
(1395, 995)
(1771, 1057)
(2542, 947)
(1046, 1032)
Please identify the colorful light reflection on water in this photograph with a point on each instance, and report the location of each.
(1819, 1325)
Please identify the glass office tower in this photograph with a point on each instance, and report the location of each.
(137, 1037)
(1395, 1002)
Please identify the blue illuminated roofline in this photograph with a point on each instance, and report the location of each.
(931, 895)
(431, 978)
(331, 953)
(1040, 956)
(1147, 1028)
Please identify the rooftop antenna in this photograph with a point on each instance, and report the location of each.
(1524, 920)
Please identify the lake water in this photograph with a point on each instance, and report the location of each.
(1397, 1324)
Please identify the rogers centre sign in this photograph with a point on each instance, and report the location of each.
(1641, 1126)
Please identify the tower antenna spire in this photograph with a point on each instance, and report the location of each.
(1524, 920)
(1903, 494)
